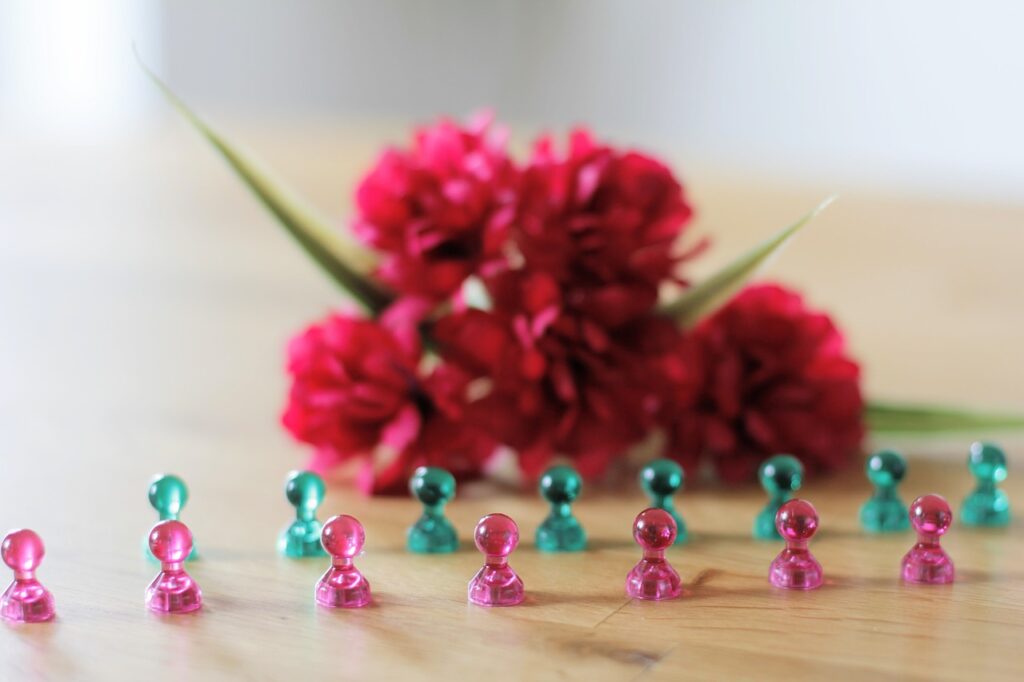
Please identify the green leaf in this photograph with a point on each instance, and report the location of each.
(884, 417)
(335, 254)
(705, 298)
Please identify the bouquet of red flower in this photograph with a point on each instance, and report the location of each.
(541, 307)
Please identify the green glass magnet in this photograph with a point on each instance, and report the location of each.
(432, 533)
(305, 491)
(780, 476)
(167, 495)
(561, 531)
(884, 512)
(660, 480)
(987, 505)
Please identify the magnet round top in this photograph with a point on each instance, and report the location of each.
(170, 541)
(496, 535)
(662, 477)
(432, 486)
(931, 515)
(343, 536)
(305, 489)
(22, 550)
(781, 474)
(886, 468)
(654, 529)
(168, 495)
(987, 462)
(797, 520)
(560, 484)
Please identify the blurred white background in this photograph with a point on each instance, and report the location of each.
(915, 96)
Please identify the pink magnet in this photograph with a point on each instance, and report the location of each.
(25, 600)
(173, 590)
(927, 562)
(343, 586)
(496, 584)
(795, 568)
(653, 577)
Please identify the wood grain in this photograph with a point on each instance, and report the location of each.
(144, 303)
(259, 620)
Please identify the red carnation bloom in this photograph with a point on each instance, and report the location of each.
(559, 384)
(766, 375)
(448, 436)
(441, 210)
(356, 392)
(603, 223)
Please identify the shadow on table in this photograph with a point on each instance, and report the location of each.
(536, 598)
(598, 544)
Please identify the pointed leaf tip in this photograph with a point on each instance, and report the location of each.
(336, 255)
(706, 297)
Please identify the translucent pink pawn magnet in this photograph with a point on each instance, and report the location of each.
(795, 568)
(25, 600)
(496, 584)
(653, 577)
(343, 586)
(173, 590)
(927, 562)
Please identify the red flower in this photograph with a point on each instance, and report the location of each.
(766, 375)
(449, 436)
(356, 392)
(558, 383)
(603, 223)
(441, 210)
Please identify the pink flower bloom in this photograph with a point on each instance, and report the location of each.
(357, 392)
(766, 375)
(559, 384)
(441, 210)
(603, 223)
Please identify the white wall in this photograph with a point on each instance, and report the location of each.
(927, 95)
(66, 66)
(921, 95)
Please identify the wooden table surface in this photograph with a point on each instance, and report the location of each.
(144, 304)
